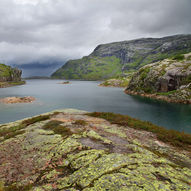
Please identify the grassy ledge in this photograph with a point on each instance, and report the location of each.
(173, 137)
(9, 84)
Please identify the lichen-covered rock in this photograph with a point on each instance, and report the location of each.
(102, 157)
(117, 82)
(169, 78)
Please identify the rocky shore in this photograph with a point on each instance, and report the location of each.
(159, 97)
(10, 84)
(74, 150)
(11, 100)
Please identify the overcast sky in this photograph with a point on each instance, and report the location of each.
(38, 30)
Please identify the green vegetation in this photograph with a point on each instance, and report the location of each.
(5, 71)
(166, 93)
(15, 187)
(33, 120)
(115, 59)
(57, 128)
(16, 130)
(80, 122)
(11, 132)
(164, 76)
(173, 137)
(90, 68)
(144, 72)
(117, 82)
(9, 76)
(178, 57)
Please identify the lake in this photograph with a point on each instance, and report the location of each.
(87, 95)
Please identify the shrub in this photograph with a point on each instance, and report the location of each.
(178, 57)
(173, 137)
(80, 122)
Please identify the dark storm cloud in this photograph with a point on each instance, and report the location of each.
(33, 30)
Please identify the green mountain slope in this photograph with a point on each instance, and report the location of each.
(115, 59)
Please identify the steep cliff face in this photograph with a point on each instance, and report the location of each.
(8, 74)
(115, 59)
(170, 77)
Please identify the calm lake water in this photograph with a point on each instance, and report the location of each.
(86, 95)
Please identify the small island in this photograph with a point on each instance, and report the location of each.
(65, 82)
(11, 100)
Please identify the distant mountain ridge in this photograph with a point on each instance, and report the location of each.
(115, 59)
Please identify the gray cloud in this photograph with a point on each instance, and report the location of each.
(33, 30)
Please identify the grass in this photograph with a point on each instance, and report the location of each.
(16, 130)
(35, 119)
(11, 132)
(178, 57)
(173, 137)
(5, 71)
(57, 128)
(90, 68)
(80, 122)
(14, 187)
(167, 93)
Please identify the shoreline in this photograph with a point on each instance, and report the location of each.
(158, 97)
(11, 84)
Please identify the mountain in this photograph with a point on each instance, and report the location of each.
(169, 79)
(9, 76)
(115, 59)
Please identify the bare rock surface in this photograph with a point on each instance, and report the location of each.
(69, 150)
(11, 100)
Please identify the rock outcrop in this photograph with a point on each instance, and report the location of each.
(115, 59)
(11, 100)
(69, 150)
(170, 78)
(10, 76)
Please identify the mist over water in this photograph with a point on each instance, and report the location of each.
(87, 95)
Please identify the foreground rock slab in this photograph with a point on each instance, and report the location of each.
(69, 150)
(11, 100)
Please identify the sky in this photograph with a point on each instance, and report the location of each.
(41, 35)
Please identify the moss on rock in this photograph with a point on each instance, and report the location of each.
(42, 159)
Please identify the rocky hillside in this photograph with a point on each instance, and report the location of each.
(73, 150)
(9, 76)
(170, 78)
(115, 59)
